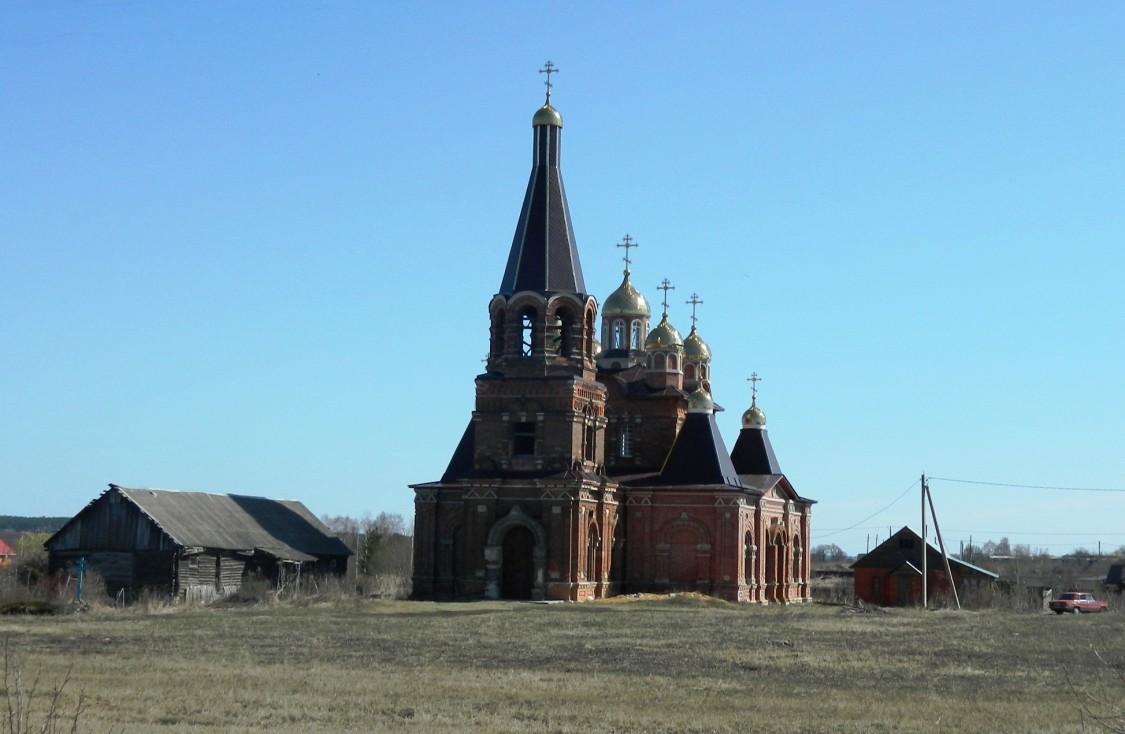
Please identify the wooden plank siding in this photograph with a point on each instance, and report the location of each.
(112, 523)
(190, 545)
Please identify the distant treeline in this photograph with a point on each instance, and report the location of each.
(15, 523)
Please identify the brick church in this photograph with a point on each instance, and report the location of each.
(591, 469)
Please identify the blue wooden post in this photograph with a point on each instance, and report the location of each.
(81, 577)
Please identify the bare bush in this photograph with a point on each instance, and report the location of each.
(31, 709)
(1100, 705)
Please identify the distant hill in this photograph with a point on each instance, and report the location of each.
(17, 524)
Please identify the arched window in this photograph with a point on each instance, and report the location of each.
(749, 551)
(593, 542)
(689, 371)
(673, 362)
(565, 323)
(658, 362)
(618, 335)
(796, 558)
(527, 333)
(590, 434)
(635, 335)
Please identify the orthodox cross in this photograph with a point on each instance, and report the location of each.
(666, 285)
(549, 69)
(694, 301)
(753, 379)
(627, 242)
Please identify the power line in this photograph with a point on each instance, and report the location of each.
(1028, 486)
(853, 527)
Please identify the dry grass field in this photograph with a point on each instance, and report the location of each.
(678, 664)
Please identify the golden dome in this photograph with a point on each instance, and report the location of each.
(626, 301)
(754, 417)
(695, 348)
(700, 401)
(547, 115)
(664, 336)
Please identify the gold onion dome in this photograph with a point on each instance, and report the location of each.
(664, 336)
(547, 115)
(699, 401)
(626, 301)
(695, 348)
(754, 417)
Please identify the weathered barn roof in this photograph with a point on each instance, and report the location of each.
(284, 529)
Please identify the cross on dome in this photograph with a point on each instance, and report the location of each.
(666, 285)
(549, 69)
(627, 242)
(753, 379)
(693, 302)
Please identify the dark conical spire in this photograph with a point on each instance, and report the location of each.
(544, 256)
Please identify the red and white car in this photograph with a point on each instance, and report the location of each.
(1077, 601)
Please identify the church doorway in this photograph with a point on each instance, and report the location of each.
(517, 570)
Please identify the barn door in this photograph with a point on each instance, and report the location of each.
(517, 573)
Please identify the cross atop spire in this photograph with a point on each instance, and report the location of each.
(693, 301)
(627, 242)
(665, 285)
(753, 379)
(549, 69)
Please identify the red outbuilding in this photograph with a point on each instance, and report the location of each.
(891, 575)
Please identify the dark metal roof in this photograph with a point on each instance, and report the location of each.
(893, 553)
(753, 453)
(461, 464)
(284, 529)
(699, 456)
(544, 256)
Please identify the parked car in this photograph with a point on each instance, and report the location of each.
(1077, 601)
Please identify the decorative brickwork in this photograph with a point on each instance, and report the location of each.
(586, 473)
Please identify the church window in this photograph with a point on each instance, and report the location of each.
(635, 335)
(527, 334)
(689, 371)
(748, 559)
(564, 322)
(625, 442)
(523, 439)
(658, 362)
(673, 362)
(593, 542)
(618, 334)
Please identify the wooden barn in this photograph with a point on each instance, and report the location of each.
(891, 574)
(193, 545)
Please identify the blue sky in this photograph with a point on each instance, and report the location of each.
(249, 247)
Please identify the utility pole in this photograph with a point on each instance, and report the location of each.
(925, 546)
(944, 555)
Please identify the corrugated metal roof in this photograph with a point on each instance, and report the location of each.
(284, 529)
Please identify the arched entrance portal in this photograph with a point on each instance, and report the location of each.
(517, 567)
(515, 558)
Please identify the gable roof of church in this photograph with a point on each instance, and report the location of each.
(544, 256)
